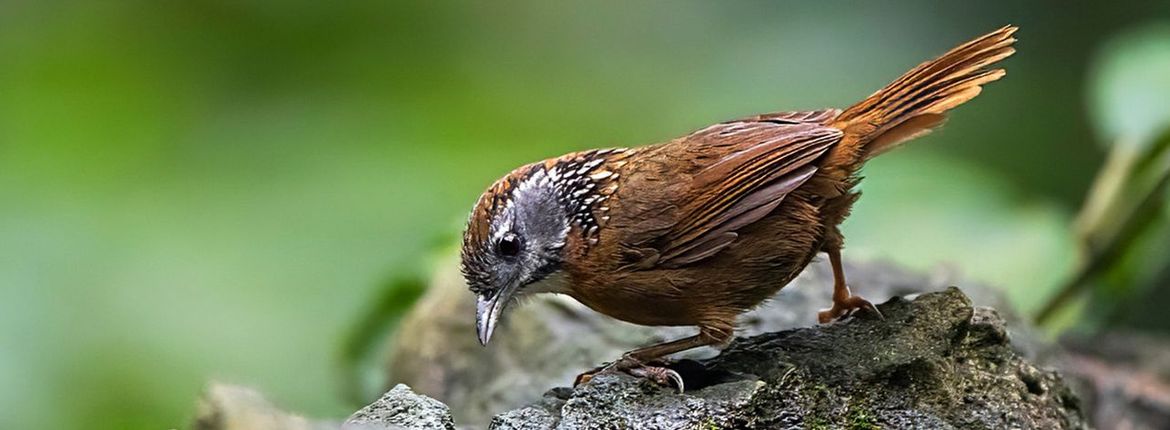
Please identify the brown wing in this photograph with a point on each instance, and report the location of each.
(737, 172)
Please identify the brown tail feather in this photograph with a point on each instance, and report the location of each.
(917, 102)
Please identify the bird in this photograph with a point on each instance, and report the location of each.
(702, 228)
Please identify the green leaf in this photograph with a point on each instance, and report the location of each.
(1130, 86)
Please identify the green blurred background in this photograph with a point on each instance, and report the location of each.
(197, 190)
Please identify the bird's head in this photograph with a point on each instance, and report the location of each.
(514, 243)
(520, 231)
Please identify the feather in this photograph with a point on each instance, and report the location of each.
(705, 249)
(917, 101)
(766, 162)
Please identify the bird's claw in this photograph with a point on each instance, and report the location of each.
(587, 376)
(660, 375)
(847, 307)
(663, 376)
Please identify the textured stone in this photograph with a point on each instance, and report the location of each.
(402, 408)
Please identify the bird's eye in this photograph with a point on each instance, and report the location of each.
(509, 245)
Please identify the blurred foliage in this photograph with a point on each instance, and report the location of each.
(952, 213)
(1123, 234)
(1123, 228)
(1130, 86)
(213, 189)
(359, 364)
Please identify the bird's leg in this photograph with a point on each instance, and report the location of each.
(844, 302)
(640, 362)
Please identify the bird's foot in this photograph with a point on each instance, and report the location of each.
(656, 372)
(846, 307)
(663, 376)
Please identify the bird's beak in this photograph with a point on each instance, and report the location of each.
(488, 307)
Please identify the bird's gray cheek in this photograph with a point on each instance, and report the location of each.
(503, 276)
(512, 280)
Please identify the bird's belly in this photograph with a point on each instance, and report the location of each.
(646, 310)
(686, 297)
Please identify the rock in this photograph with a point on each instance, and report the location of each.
(401, 408)
(549, 340)
(543, 415)
(1123, 378)
(935, 362)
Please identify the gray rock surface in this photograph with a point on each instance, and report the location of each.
(935, 362)
(1122, 377)
(401, 408)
